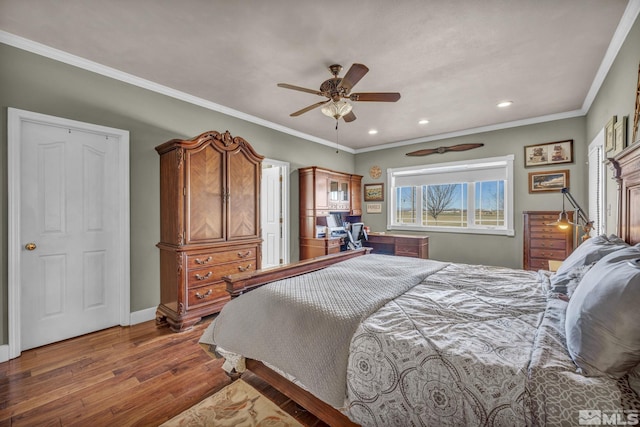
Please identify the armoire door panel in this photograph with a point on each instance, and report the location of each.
(204, 196)
(243, 205)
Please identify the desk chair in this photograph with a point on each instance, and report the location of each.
(356, 235)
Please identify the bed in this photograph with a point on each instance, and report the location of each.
(375, 340)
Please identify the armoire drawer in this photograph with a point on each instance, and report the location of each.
(204, 259)
(201, 276)
(207, 294)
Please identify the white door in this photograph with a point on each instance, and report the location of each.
(271, 219)
(273, 212)
(71, 233)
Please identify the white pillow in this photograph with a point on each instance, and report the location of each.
(603, 316)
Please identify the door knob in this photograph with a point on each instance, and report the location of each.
(30, 246)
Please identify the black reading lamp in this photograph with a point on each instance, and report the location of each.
(580, 218)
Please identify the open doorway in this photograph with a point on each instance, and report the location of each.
(274, 206)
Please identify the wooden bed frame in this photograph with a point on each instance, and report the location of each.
(626, 166)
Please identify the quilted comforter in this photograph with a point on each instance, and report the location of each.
(466, 345)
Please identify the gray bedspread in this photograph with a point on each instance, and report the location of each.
(313, 310)
(474, 346)
(461, 345)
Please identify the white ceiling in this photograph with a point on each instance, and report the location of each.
(452, 61)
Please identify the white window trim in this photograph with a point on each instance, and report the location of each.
(508, 230)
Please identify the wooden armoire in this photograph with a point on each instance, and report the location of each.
(209, 223)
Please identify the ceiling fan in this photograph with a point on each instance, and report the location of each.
(337, 89)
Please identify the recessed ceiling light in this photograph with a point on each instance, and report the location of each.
(373, 132)
(504, 104)
(423, 122)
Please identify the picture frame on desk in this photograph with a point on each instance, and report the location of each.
(548, 181)
(374, 192)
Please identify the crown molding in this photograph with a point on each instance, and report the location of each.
(619, 36)
(626, 23)
(85, 64)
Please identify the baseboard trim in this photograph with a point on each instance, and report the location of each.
(143, 315)
(135, 318)
(4, 353)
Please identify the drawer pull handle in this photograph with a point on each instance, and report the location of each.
(243, 269)
(206, 294)
(201, 262)
(244, 255)
(206, 276)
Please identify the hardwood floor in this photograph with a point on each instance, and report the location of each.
(132, 376)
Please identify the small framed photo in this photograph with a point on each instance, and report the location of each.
(374, 208)
(374, 192)
(549, 153)
(540, 182)
(620, 135)
(609, 135)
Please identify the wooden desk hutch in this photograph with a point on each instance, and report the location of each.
(325, 191)
(209, 223)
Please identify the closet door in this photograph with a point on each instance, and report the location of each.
(204, 203)
(243, 183)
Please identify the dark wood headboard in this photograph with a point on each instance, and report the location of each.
(626, 166)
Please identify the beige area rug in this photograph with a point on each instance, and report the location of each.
(238, 404)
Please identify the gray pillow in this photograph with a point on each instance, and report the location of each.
(603, 316)
(587, 253)
(590, 251)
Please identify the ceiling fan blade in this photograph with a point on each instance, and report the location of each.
(440, 150)
(353, 76)
(309, 108)
(375, 96)
(349, 117)
(301, 89)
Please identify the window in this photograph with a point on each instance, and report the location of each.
(475, 196)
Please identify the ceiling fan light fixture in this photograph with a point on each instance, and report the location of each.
(336, 109)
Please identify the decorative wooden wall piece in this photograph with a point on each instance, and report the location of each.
(440, 150)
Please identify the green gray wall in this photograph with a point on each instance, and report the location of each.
(481, 248)
(617, 97)
(34, 83)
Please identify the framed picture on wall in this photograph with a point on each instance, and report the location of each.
(620, 134)
(609, 135)
(374, 192)
(549, 153)
(374, 208)
(548, 181)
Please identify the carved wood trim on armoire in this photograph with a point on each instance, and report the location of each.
(209, 223)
